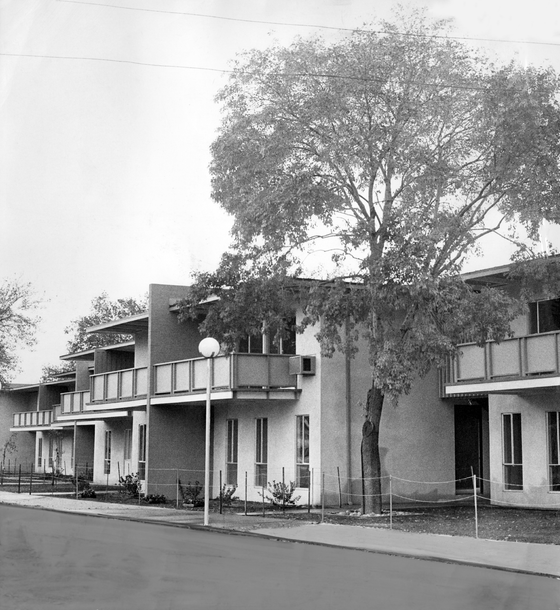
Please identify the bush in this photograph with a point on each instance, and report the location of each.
(191, 492)
(131, 485)
(88, 492)
(227, 495)
(281, 494)
(156, 499)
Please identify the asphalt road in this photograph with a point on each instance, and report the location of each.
(52, 560)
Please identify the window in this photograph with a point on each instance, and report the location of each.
(231, 457)
(287, 343)
(261, 452)
(40, 453)
(127, 444)
(302, 451)
(513, 459)
(142, 452)
(553, 422)
(544, 316)
(251, 344)
(51, 452)
(107, 460)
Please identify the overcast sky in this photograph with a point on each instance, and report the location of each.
(103, 164)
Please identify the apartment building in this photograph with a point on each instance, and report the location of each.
(287, 413)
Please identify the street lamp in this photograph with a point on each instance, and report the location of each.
(209, 348)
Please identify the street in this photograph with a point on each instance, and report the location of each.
(51, 560)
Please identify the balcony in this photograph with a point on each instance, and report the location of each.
(116, 386)
(32, 419)
(73, 402)
(233, 376)
(521, 363)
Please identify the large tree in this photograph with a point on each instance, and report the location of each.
(395, 152)
(18, 324)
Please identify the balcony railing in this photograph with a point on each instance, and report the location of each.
(128, 384)
(518, 358)
(73, 402)
(28, 419)
(232, 372)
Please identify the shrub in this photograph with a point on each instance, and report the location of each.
(130, 485)
(191, 492)
(227, 494)
(156, 499)
(281, 494)
(88, 492)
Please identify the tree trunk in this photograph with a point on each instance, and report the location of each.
(371, 462)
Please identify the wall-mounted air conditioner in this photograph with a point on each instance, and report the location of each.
(302, 365)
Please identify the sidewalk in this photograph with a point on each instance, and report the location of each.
(516, 556)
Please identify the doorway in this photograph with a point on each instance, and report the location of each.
(468, 447)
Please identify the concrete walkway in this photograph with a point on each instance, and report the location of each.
(516, 556)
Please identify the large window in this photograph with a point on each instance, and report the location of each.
(40, 453)
(127, 444)
(107, 460)
(553, 421)
(261, 452)
(231, 457)
(302, 451)
(544, 316)
(142, 452)
(512, 452)
(270, 342)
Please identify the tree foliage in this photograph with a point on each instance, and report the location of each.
(18, 325)
(52, 372)
(102, 310)
(377, 163)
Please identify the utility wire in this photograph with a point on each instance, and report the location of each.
(308, 25)
(226, 71)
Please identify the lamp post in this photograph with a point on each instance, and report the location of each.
(209, 348)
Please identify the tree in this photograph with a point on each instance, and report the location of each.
(52, 372)
(102, 310)
(17, 324)
(395, 152)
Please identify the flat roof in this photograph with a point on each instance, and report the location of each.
(88, 354)
(128, 326)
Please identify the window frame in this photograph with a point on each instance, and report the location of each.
(232, 451)
(142, 435)
(302, 451)
(107, 452)
(553, 450)
(40, 452)
(127, 449)
(261, 451)
(512, 451)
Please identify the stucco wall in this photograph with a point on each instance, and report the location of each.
(534, 448)
(10, 403)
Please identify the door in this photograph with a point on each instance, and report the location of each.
(468, 447)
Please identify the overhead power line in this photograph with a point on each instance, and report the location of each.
(308, 25)
(440, 85)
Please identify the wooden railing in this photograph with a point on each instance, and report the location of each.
(27, 419)
(520, 357)
(73, 402)
(232, 372)
(127, 384)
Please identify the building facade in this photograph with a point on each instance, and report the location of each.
(285, 413)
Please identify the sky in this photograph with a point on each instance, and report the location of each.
(107, 114)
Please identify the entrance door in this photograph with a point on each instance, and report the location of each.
(468, 446)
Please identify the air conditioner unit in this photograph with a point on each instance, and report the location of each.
(302, 365)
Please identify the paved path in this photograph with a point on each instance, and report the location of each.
(517, 556)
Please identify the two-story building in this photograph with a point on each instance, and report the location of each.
(286, 412)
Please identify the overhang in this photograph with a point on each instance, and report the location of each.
(515, 386)
(128, 326)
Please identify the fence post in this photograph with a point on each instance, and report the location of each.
(177, 485)
(31, 480)
(263, 500)
(19, 480)
(339, 489)
(475, 506)
(322, 497)
(283, 493)
(309, 483)
(221, 494)
(390, 502)
(245, 493)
